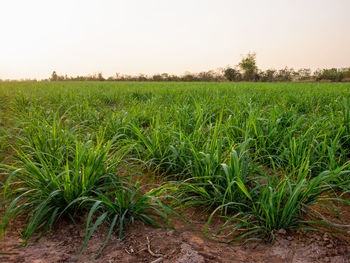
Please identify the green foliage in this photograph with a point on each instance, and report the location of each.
(280, 203)
(232, 75)
(47, 185)
(123, 204)
(258, 154)
(286, 74)
(54, 76)
(249, 71)
(268, 75)
(332, 74)
(248, 67)
(215, 183)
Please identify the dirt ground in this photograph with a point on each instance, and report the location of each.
(185, 244)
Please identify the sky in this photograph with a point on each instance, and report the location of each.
(78, 37)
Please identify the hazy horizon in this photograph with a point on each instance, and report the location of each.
(149, 37)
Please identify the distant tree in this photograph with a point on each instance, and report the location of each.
(285, 74)
(100, 77)
(232, 74)
(207, 76)
(54, 76)
(142, 77)
(346, 72)
(188, 77)
(303, 74)
(249, 68)
(157, 77)
(332, 74)
(60, 78)
(268, 75)
(174, 78)
(317, 75)
(165, 76)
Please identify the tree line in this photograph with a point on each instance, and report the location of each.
(245, 70)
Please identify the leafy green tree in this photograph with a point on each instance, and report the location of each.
(285, 74)
(268, 75)
(232, 74)
(248, 67)
(157, 77)
(332, 74)
(304, 74)
(54, 76)
(188, 77)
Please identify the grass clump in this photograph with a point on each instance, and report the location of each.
(122, 205)
(281, 202)
(44, 190)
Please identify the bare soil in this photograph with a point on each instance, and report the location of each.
(185, 244)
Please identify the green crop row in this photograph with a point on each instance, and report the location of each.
(260, 155)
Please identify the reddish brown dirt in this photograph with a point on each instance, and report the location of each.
(186, 244)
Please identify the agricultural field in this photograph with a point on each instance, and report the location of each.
(175, 171)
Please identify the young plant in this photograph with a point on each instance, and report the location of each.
(121, 204)
(43, 192)
(280, 203)
(214, 182)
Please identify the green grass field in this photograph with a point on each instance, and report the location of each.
(262, 155)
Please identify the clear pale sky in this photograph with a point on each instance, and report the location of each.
(156, 36)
